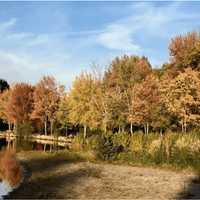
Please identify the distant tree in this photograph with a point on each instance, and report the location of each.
(3, 85)
(46, 100)
(182, 98)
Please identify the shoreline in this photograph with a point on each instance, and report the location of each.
(66, 175)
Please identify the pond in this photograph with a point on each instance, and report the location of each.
(20, 144)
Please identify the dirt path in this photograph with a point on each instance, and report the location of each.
(62, 178)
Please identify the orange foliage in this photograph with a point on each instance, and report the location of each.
(10, 169)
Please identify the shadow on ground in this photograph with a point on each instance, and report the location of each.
(191, 190)
(43, 183)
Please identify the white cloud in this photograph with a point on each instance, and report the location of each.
(29, 55)
(145, 20)
(26, 56)
(118, 37)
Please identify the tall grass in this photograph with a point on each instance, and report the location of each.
(180, 150)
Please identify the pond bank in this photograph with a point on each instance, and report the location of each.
(11, 172)
(69, 175)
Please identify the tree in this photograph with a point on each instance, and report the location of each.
(83, 102)
(46, 99)
(4, 114)
(145, 98)
(3, 85)
(62, 114)
(121, 76)
(185, 51)
(181, 96)
(20, 104)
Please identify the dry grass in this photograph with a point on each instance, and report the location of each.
(64, 177)
(10, 169)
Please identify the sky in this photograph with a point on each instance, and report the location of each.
(65, 38)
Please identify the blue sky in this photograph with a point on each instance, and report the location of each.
(65, 38)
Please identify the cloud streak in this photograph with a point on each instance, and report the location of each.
(145, 29)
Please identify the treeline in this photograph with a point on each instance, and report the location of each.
(130, 95)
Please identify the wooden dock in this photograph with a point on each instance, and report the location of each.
(37, 137)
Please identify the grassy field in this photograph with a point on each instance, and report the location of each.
(71, 175)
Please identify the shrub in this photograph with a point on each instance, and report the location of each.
(122, 139)
(106, 149)
(10, 169)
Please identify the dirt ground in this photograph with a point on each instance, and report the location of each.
(63, 178)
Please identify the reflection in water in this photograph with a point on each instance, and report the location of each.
(20, 144)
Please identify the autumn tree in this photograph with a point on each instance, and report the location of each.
(185, 52)
(4, 114)
(62, 114)
(145, 99)
(83, 102)
(20, 103)
(120, 77)
(181, 96)
(3, 86)
(46, 99)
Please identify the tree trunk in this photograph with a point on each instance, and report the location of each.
(51, 127)
(185, 125)
(85, 131)
(182, 127)
(45, 127)
(147, 128)
(119, 130)
(9, 126)
(45, 147)
(131, 128)
(105, 128)
(161, 132)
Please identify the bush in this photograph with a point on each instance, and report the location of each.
(106, 149)
(122, 139)
(10, 169)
